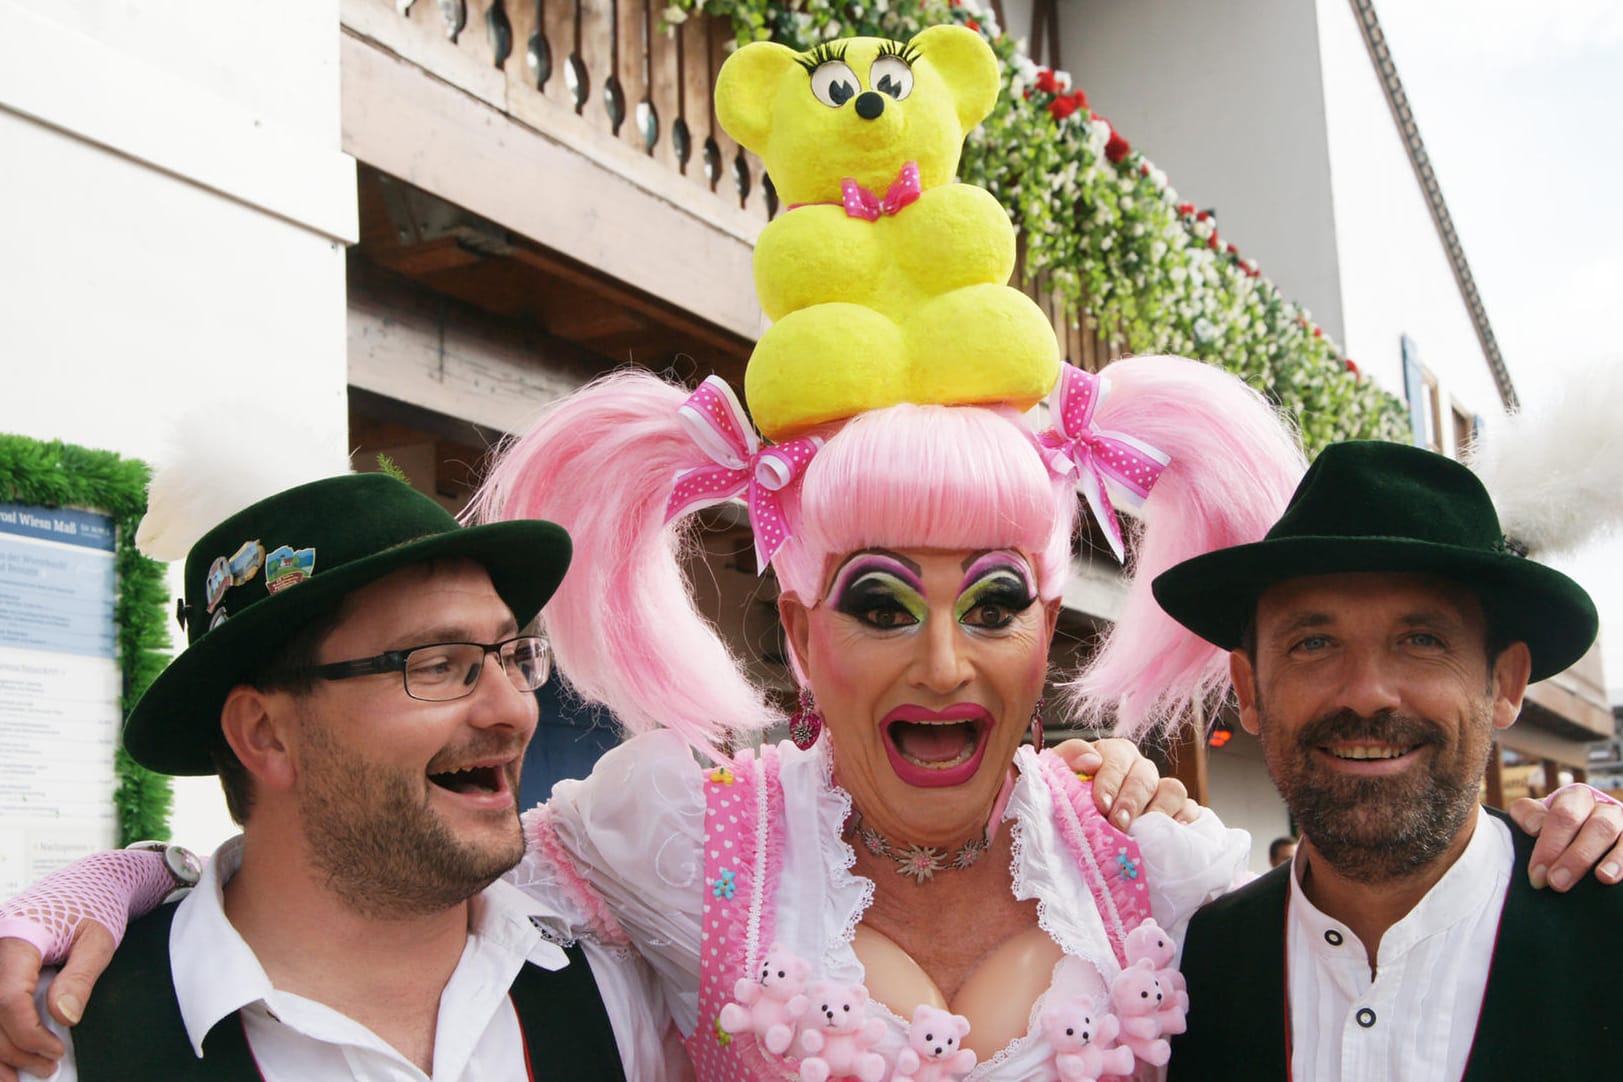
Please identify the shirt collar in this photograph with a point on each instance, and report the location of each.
(217, 974)
(1476, 879)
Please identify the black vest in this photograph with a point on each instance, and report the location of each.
(132, 1029)
(1550, 1010)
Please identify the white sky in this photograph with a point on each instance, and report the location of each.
(1521, 108)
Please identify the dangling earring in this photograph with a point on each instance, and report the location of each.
(1037, 725)
(805, 724)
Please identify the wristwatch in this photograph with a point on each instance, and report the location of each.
(182, 863)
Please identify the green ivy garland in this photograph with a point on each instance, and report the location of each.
(1105, 227)
(56, 474)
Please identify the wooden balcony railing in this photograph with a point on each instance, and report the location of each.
(607, 77)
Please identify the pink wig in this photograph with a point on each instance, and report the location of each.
(600, 463)
(941, 477)
(1234, 467)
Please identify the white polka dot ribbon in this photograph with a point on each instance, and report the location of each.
(1108, 465)
(739, 466)
(859, 202)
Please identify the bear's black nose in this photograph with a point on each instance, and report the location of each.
(870, 105)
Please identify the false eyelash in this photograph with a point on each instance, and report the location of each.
(822, 54)
(907, 53)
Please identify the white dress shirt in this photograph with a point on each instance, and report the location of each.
(1415, 1021)
(477, 1037)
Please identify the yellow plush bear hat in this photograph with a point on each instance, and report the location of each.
(886, 280)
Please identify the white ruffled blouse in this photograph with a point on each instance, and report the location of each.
(634, 830)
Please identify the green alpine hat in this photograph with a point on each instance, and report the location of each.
(254, 579)
(1375, 506)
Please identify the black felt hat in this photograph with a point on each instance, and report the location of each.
(256, 578)
(1374, 506)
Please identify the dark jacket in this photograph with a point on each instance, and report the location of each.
(1550, 1010)
(132, 1029)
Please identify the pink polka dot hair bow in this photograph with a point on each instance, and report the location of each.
(739, 466)
(1106, 464)
(859, 202)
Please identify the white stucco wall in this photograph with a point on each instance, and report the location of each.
(177, 209)
(1227, 99)
(1395, 274)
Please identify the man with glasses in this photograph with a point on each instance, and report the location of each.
(360, 676)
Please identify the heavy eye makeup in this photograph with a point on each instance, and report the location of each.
(879, 592)
(997, 587)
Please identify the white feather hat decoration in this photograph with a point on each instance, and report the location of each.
(1555, 467)
(222, 458)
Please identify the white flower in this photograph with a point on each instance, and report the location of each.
(675, 15)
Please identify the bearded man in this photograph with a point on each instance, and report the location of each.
(1380, 634)
(360, 673)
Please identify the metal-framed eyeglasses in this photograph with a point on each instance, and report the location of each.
(442, 671)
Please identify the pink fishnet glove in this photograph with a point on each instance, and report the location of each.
(107, 888)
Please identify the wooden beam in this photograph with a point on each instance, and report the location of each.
(1187, 757)
(1495, 777)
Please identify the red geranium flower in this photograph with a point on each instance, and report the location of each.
(1353, 368)
(973, 25)
(1062, 107)
(1117, 148)
(1232, 250)
(1201, 216)
(1211, 241)
(1046, 82)
(1186, 208)
(1318, 332)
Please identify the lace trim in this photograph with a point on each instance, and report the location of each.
(544, 840)
(847, 890)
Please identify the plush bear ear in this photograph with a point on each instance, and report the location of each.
(746, 88)
(967, 65)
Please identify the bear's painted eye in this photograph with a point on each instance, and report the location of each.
(834, 83)
(890, 75)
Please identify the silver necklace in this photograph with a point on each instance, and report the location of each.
(919, 863)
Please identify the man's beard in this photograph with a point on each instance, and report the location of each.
(378, 844)
(1380, 829)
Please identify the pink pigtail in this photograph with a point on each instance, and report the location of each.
(1235, 463)
(601, 463)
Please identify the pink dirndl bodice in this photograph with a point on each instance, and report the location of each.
(744, 839)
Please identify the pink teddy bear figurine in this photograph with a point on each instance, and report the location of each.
(1084, 1041)
(934, 1051)
(769, 1006)
(838, 1036)
(1148, 940)
(1138, 1000)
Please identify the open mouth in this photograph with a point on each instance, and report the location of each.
(936, 748)
(485, 784)
(482, 780)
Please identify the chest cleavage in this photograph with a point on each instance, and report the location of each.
(996, 992)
